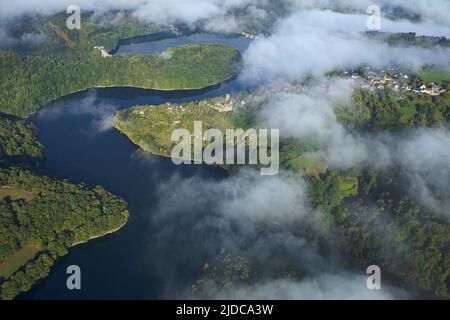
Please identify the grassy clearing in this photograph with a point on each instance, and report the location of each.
(308, 165)
(434, 75)
(15, 193)
(12, 263)
(348, 186)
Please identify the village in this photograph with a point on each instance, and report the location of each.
(391, 78)
(103, 52)
(394, 79)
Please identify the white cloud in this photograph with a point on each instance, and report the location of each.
(323, 287)
(313, 44)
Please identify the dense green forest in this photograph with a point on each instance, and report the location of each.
(386, 109)
(274, 9)
(380, 223)
(98, 32)
(408, 39)
(19, 143)
(383, 225)
(41, 217)
(225, 271)
(27, 82)
(50, 215)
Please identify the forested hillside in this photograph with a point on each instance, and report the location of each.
(19, 143)
(385, 109)
(101, 29)
(27, 82)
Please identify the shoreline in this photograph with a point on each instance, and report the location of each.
(50, 101)
(222, 168)
(109, 232)
(143, 38)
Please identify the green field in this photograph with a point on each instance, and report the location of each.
(12, 263)
(434, 75)
(348, 186)
(309, 165)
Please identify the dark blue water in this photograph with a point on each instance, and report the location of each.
(137, 262)
(240, 43)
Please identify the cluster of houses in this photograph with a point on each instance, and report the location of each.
(175, 107)
(103, 52)
(222, 104)
(249, 36)
(229, 102)
(398, 81)
(431, 89)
